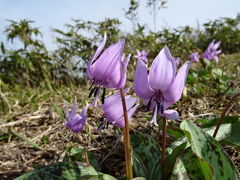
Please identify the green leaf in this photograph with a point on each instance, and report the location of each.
(65, 171)
(190, 166)
(208, 149)
(146, 161)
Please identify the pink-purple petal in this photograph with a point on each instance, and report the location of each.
(141, 85)
(174, 93)
(96, 54)
(171, 114)
(163, 70)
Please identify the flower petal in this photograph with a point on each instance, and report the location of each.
(104, 66)
(163, 70)
(141, 86)
(96, 54)
(121, 121)
(171, 114)
(118, 78)
(115, 111)
(111, 100)
(73, 111)
(174, 93)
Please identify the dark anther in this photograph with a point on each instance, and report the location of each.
(103, 95)
(95, 92)
(91, 86)
(160, 107)
(92, 91)
(149, 104)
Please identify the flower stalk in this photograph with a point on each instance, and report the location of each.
(127, 146)
(229, 104)
(164, 140)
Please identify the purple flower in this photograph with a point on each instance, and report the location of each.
(161, 87)
(107, 68)
(194, 57)
(113, 109)
(211, 52)
(76, 122)
(142, 55)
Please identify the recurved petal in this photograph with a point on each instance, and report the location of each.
(96, 54)
(118, 78)
(217, 45)
(111, 100)
(163, 70)
(171, 114)
(121, 121)
(84, 111)
(73, 111)
(174, 93)
(141, 85)
(76, 123)
(104, 66)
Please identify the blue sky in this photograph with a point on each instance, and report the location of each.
(56, 13)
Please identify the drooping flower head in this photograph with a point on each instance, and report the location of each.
(76, 122)
(142, 55)
(211, 52)
(108, 67)
(113, 110)
(194, 57)
(162, 87)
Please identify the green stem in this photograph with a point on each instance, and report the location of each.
(229, 104)
(127, 146)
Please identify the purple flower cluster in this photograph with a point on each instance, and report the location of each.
(159, 88)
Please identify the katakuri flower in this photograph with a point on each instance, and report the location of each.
(76, 122)
(107, 68)
(162, 87)
(142, 55)
(194, 57)
(113, 110)
(211, 52)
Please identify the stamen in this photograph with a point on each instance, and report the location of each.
(95, 92)
(91, 86)
(103, 95)
(149, 104)
(92, 91)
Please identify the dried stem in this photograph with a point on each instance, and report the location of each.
(85, 149)
(164, 132)
(229, 104)
(127, 146)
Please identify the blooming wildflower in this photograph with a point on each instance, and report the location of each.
(113, 110)
(211, 52)
(107, 68)
(161, 87)
(194, 57)
(142, 55)
(76, 122)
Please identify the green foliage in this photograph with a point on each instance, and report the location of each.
(226, 30)
(207, 149)
(65, 171)
(146, 161)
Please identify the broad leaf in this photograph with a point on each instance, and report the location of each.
(208, 149)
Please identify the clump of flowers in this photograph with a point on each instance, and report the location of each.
(212, 51)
